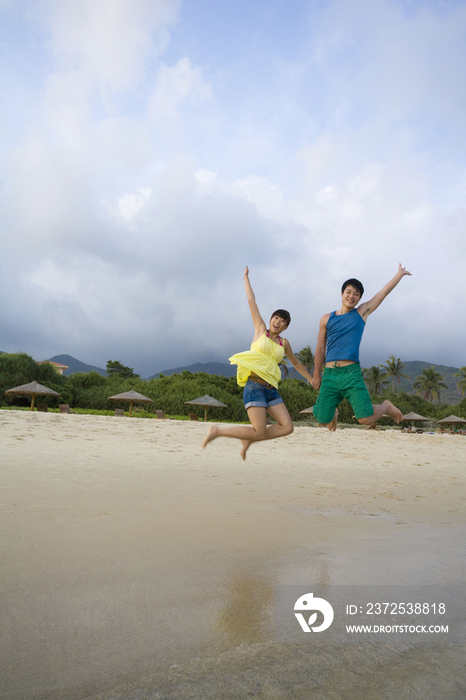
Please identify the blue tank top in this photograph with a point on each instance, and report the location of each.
(344, 335)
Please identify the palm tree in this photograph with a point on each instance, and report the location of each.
(429, 382)
(284, 368)
(462, 382)
(374, 379)
(393, 367)
(306, 357)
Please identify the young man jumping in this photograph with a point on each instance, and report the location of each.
(340, 334)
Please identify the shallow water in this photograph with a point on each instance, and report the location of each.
(276, 672)
(200, 625)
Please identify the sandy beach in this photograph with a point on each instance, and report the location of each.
(136, 565)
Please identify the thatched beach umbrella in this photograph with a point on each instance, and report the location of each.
(207, 401)
(413, 417)
(32, 389)
(451, 420)
(132, 397)
(308, 411)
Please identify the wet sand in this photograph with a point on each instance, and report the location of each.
(136, 565)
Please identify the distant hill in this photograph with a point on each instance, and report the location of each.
(413, 369)
(221, 368)
(75, 365)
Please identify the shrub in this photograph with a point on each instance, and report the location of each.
(17, 369)
(297, 396)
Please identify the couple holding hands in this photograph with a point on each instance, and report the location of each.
(340, 334)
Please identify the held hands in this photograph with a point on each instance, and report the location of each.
(402, 270)
(316, 382)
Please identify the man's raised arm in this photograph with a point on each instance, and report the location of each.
(370, 306)
(320, 351)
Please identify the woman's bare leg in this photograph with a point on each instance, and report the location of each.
(259, 430)
(253, 433)
(284, 426)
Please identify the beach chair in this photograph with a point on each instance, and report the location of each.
(65, 408)
(159, 413)
(120, 412)
(42, 407)
(193, 416)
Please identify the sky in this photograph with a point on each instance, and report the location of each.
(150, 149)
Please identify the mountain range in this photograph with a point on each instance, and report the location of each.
(75, 366)
(220, 368)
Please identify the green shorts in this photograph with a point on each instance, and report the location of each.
(340, 383)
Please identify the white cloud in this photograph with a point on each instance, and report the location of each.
(110, 40)
(147, 174)
(266, 196)
(205, 176)
(130, 204)
(174, 86)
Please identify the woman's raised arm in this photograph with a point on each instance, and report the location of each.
(257, 319)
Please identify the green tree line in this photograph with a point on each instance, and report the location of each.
(91, 390)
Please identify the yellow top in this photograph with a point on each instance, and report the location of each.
(262, 359)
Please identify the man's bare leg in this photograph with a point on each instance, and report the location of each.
(333, 425)
(385, 407)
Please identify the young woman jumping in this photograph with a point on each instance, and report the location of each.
(259, 374)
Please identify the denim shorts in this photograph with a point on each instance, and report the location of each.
(260, 395)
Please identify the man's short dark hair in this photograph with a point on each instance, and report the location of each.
(283, 314)
(354, 283)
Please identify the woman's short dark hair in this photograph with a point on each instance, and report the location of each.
(354, 283)
(283, 314)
